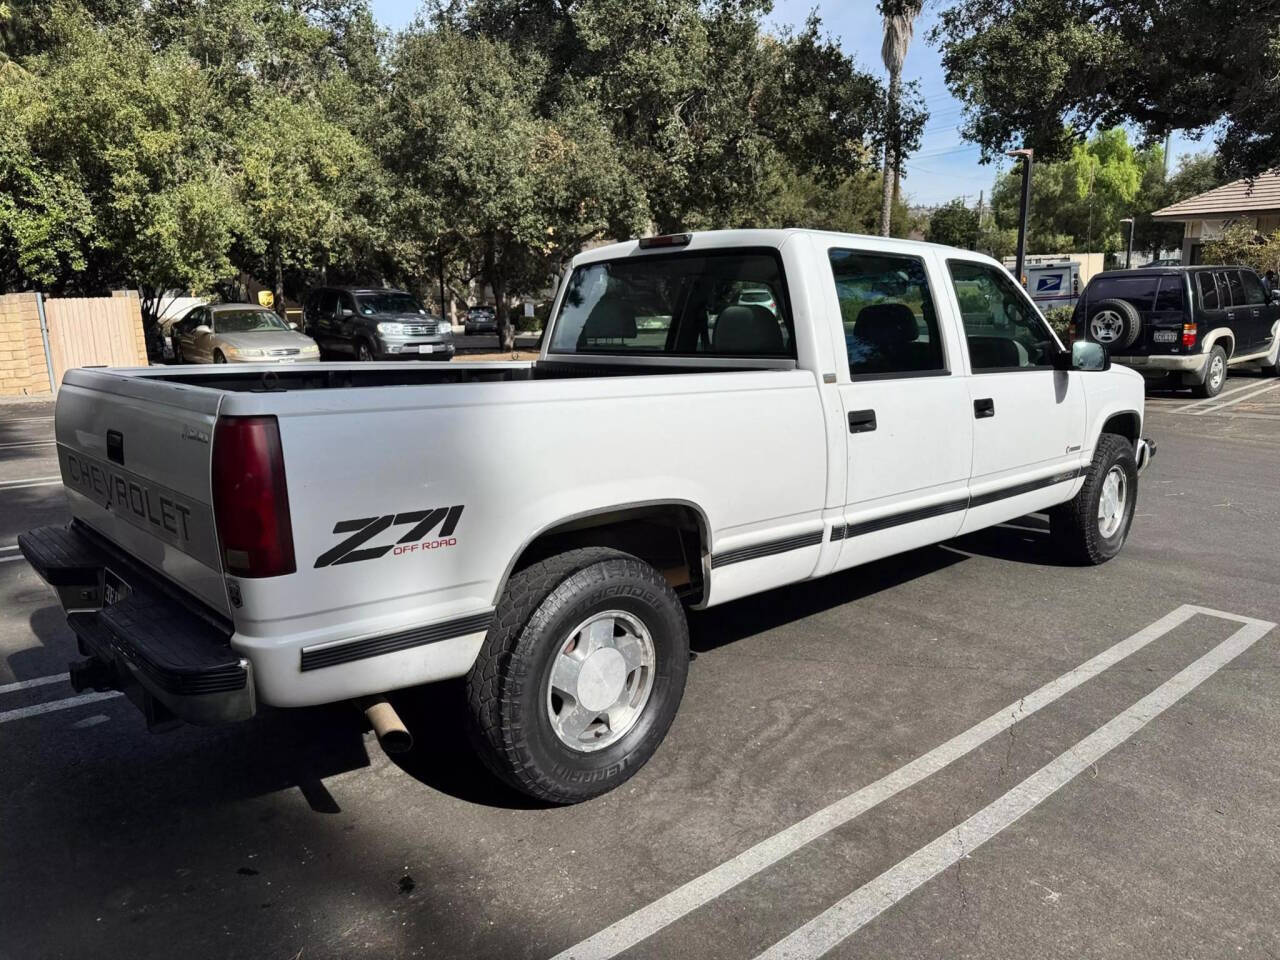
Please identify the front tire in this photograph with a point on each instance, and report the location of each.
(1092, 527)
(580, 674)
(218, 357)
(364, 353)
(1215, 376)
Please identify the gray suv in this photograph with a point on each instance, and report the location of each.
(375, 324)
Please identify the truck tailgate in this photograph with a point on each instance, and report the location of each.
(135, 458)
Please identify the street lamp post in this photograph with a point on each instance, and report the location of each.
(1025, 155)
(1128, 254)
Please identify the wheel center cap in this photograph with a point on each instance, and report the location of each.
(601, 679)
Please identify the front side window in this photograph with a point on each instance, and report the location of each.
(718, 303)
(887, 311)
(1002, 328)
(1208, 291)
(1253, 294)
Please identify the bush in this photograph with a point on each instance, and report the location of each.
(1060, 318)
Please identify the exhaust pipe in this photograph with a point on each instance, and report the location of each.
(393, 735)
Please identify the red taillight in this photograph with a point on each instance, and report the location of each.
(250, 498)
(1188, 334)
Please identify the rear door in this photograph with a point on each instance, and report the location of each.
(135, 455)
(905, 405)
(1212, 292)
(1028, 419)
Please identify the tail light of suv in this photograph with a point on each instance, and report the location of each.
(1188, 335)
(251, 498)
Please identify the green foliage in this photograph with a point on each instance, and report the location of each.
(1047, 73)
(1059, 319)
(1242, 245)
(954, 224)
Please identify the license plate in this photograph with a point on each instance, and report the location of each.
(1165, 336)
(114, 589)
(286, 360)
(426, 348)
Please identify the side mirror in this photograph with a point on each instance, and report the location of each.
(1274, 296)
(1085, 356)
(293, 325)
(203, 328)
(346, 312)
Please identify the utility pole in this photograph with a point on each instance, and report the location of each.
(1168, 145)
(440, 264)
(977, 236)
(1128, 255)
(1025, 156)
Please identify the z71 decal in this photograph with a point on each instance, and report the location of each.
(353, 549)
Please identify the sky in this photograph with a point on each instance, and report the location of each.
(945, 166)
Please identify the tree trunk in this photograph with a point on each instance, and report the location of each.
(887, 177)
(497, 283)
(278, 293)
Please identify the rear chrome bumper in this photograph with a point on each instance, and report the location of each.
(1161, 365)
(1145, 452)
(173, 660)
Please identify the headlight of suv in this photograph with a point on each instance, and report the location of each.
(445, 328)
(391, 329)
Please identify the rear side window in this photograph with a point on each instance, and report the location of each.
(1139, 291)
(1252, 288)
(718, 303)
(1208, 291)
(886, 308)
(1237, 288)
(1170, 297)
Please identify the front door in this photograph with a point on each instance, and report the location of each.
(1028, 418)
(905, 407)
(1260, 313)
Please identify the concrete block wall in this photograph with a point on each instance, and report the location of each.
(23, 370)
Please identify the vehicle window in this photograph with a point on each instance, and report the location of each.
(890, 323)
(1208, 291)
(1170, 296)
(683, 304)
(1237, 288)
(1253, 293)
(326, 304)
(247, 320)
(1139, 291)
(1002, 328)
(374, 303)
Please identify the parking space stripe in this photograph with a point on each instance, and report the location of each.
(843, 919)
(37, 682)
(55, 705)
(28, 482)
(27, 420)
(1204, 400)
(12, 559)
(648, 920)
(28, 443)
(1230, 403)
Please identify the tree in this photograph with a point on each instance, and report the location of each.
(1243, 245)
(1047, 73)
(899, 24)
(954, 224)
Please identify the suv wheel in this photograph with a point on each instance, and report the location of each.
(363, 353)
(1114, 324)
(580, 675)
(1215, 374)
(1092, 527)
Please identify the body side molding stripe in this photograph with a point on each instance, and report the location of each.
(314, 658)
(843, 531)
(767, 549)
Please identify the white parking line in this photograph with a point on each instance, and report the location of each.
(11, 548)
(37, 682)
(843, 919)
(12, 559)
(55, 705)
(27, 420)
(28, 443)
(699, 891)
(1230, 403)
(1225, 393)
(28, 482)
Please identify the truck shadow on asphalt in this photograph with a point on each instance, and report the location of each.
(280, 750)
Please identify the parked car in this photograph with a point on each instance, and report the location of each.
(338, 539)
(376, 324)
(480, 320)
(1183, 325)
(239, 333)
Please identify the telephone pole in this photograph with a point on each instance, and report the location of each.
(1025, 154)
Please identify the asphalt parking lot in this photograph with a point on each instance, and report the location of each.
(965, 751)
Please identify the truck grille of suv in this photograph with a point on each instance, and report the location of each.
(420, 329)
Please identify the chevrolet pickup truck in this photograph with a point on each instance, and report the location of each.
(247, 536)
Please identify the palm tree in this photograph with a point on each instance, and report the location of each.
(899, 24)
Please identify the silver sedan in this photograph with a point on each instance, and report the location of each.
(239, 333)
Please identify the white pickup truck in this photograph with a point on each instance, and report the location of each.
(711, 415)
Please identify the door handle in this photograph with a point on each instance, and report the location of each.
(862, 421)
(982, 409)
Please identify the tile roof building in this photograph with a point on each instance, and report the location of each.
(1254, 203)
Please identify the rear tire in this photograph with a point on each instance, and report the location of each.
(1215, 376)
(526, 730)
(1093, 526)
